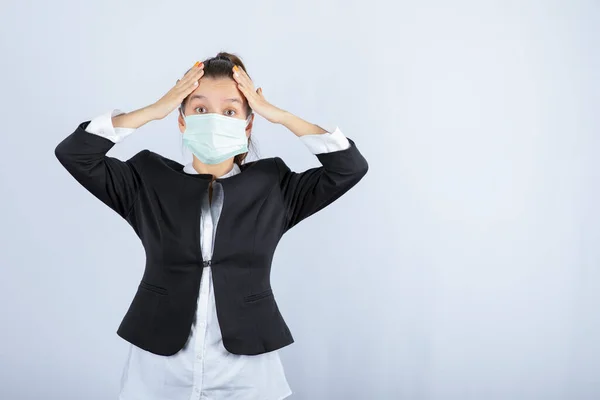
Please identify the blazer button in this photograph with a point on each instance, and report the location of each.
(206, 263)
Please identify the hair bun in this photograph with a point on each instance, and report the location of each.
(223, 56)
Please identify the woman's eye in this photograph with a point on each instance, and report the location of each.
(230, 114)
(198, 108)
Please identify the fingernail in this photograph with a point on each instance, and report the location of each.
(197, 63)
(235, 68)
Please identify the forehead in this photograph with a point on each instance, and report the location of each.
(216, 90)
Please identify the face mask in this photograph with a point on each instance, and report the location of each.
(214, 138)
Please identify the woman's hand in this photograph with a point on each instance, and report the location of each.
(180, 91)
(255, 98)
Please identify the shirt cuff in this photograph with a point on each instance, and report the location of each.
(102, 126)
(326, 142)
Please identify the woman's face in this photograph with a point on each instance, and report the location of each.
(219, 96)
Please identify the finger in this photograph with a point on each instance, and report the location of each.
(250, 95)
(247, 81)
(247, 88)
(195, 68)
(183, 91)
(236, 75)
(191, 82)
(192, 74)
(241, 71)
(242, 77)
(243, 89)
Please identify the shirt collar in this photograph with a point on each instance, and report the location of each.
(189, 168)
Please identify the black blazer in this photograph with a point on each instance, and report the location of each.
(162, 204)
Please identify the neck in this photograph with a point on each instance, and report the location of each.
(216, 170)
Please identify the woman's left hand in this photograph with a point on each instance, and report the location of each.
(255, 98)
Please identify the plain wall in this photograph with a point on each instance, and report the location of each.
(465, 265)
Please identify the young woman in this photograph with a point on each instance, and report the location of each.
(204, 323)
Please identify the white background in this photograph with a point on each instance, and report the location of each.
(465, 263)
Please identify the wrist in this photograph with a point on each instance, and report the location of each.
(134, 119)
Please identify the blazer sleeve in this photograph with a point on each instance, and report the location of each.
(305, 193)
(116, 183)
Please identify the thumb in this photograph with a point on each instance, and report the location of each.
(259, 92)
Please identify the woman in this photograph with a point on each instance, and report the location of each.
(204, 323)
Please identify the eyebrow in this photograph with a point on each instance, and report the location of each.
(233, 99)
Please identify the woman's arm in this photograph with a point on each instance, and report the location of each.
(298, 126)
(116, 183)
(83, 152)
(305, 193)
(137, 118)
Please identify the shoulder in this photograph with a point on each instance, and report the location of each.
(148, 157)
(273, 166)
(139, 160)
(153, 165)
(282, 167)
(141, 155)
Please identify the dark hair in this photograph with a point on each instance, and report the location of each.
(221, 66)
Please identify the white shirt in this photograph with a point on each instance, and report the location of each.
(203, 369)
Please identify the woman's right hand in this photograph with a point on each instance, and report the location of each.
(180, 91)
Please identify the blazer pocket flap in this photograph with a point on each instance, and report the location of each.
(153, 288)
(258, 296)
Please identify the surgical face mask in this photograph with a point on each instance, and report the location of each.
(214, 138)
